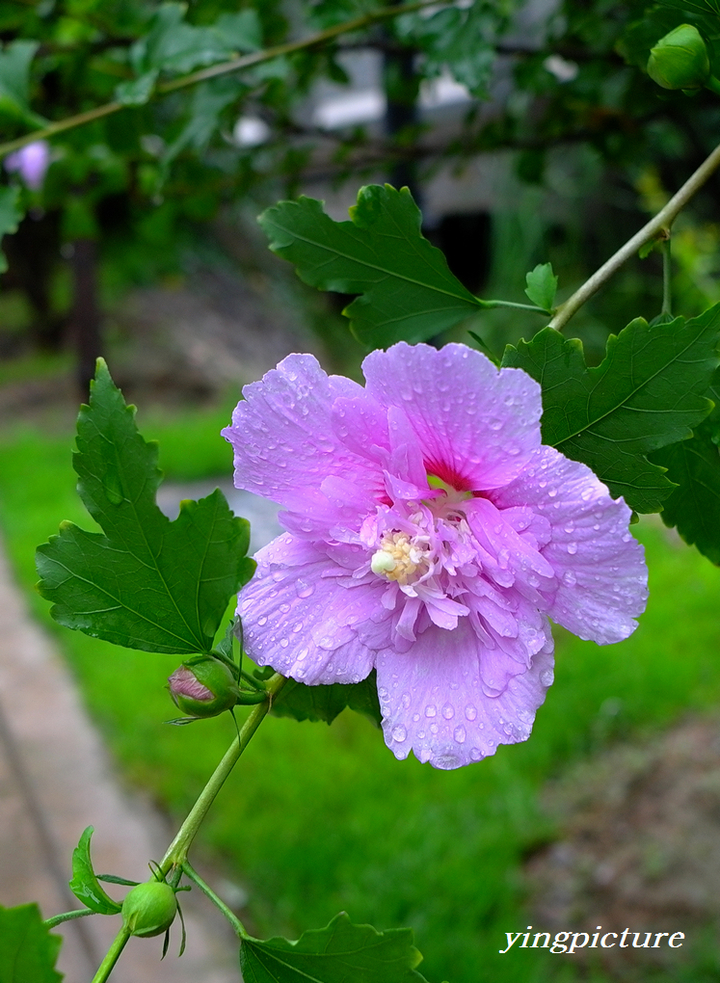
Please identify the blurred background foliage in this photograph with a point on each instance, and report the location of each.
(528, 132)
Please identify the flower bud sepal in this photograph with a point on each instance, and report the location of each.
(203, 686)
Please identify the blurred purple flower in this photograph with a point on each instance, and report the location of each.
(31, 162)
(430, 536)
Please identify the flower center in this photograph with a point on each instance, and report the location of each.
(399, 557)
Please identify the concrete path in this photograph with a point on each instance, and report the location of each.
(56, 779)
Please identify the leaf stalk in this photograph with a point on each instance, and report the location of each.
(193, 875)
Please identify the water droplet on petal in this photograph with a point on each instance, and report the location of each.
(459, 734)
(572, 548)
(262, 620)
(470, 712)
(399, 734)
(430, 711)
(448, 712)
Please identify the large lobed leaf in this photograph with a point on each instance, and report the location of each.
(339, 953)
(28, 951)
(407, 291)
(147, 583)
(694, 465)
(648, 392)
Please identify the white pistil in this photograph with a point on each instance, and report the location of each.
(398, 557)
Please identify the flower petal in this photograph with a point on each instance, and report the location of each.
(284, 441)
(477, 425)
(298, 618)
(601, 571)
(433, 702)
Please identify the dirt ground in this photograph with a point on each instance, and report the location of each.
(638, 844)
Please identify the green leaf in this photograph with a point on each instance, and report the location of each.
(148, 583)
(339, 953)
(138, 91)
(326, 702)
(207, 103)
(459, 40)
(648, 392)
(10, 215)
(542, 286)
(28, 952)
(176, 47)
(693, 508)
(15, 62)
(407, 291)
(84, 884)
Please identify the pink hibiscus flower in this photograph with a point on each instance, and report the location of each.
(430, 535)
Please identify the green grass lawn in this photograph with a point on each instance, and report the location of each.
(318, 819)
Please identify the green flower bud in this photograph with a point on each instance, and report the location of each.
(149, 909)
(680, 60)
(203, 687)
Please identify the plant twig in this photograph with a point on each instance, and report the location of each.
(113, 954)
(176, 854)
(215, 71)
(663, 220)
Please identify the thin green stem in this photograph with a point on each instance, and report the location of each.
(663, 220)
(193, 875)
(176, 854)
(67, 916)
(216, 71)
(113, 954)
(667, 278)
(511, 303)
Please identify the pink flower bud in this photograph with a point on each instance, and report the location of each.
(31, 162)
(203, 687)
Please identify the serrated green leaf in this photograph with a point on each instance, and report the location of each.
(176, 47)
(325, 702)
(148, 583)
(138, 91)
(339, 953)
(10, 215)
(28, 952)
(542, 286)
(460, 41)
(15, 60)
(648, 392)
(84, 884)
(207, 103)
(693, 508)
(407, 291)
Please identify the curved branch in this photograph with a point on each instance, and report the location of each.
(651, 230)
(216, 71)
